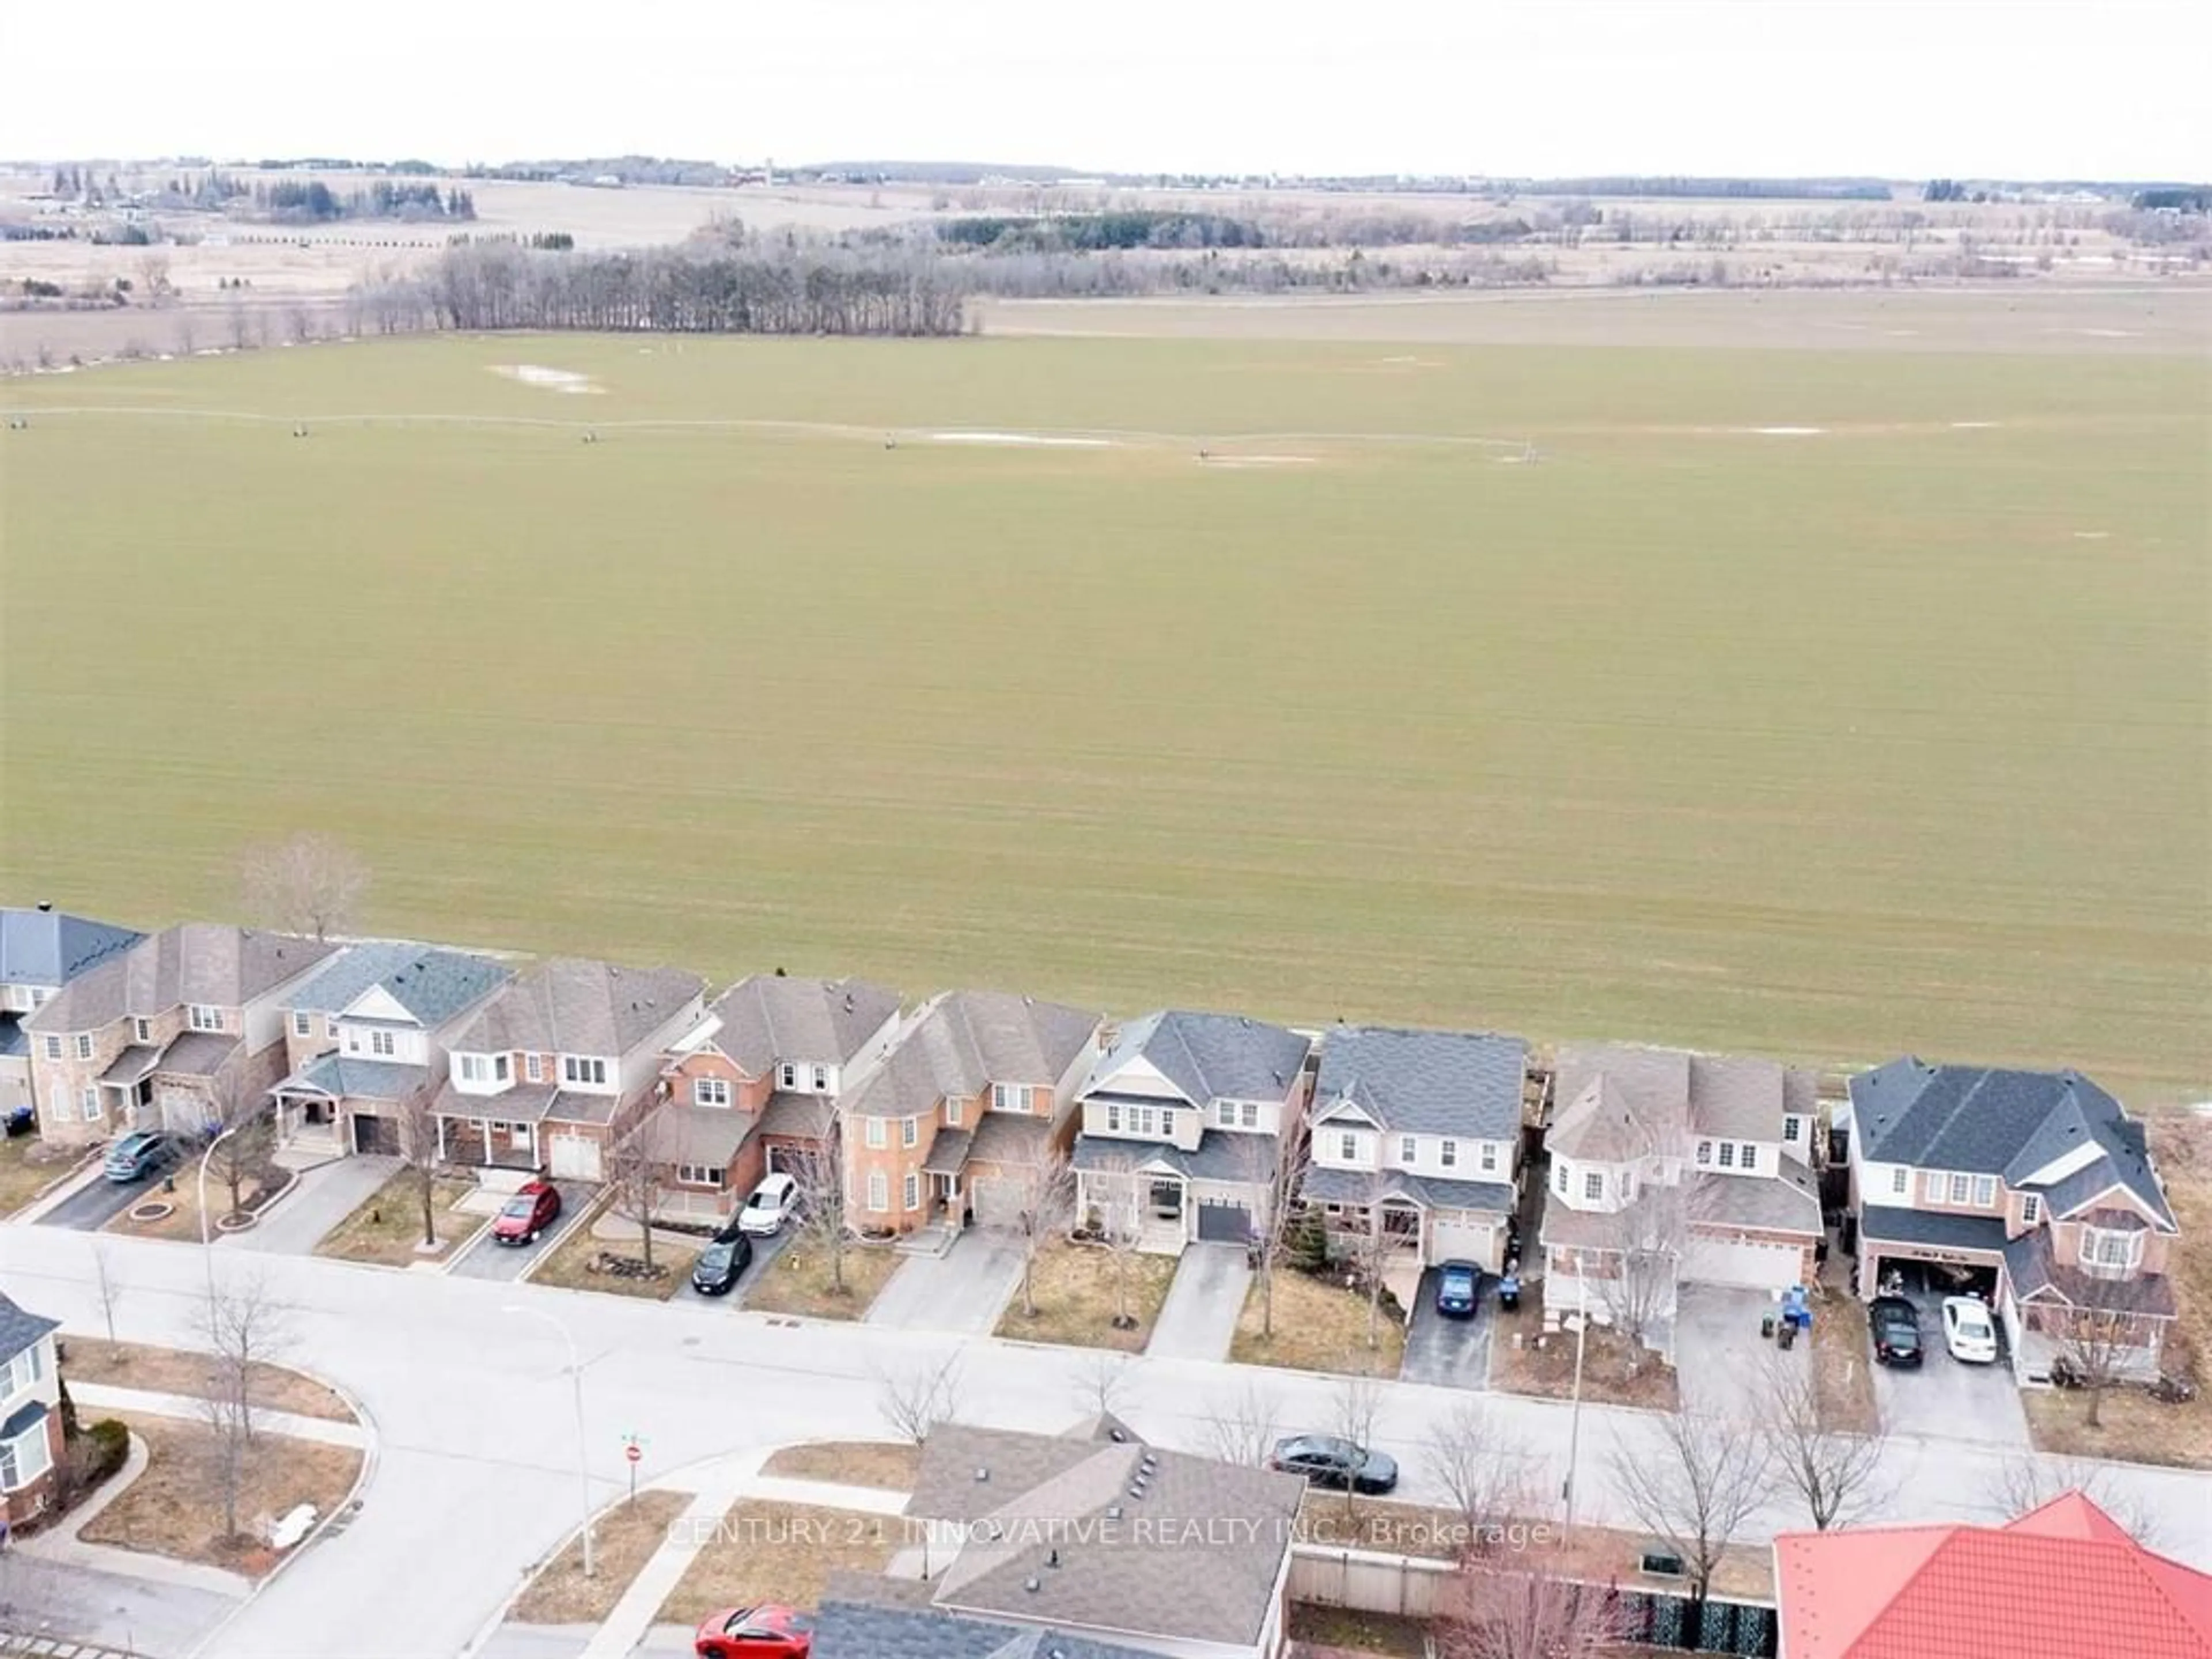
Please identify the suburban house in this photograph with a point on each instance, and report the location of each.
(2062, 1578)
(559, 1057)
(30, 1414)
(863, 1629)
(365, 1034)
(2035, 1188)
(161, 1035)
(1095, 1533)
(753, 1086)
(41, 951)
(960, 1112)
(1689, 1168)
(1183, 1119)
(1418, 1133)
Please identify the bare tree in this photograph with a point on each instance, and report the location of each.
(1378, 1248)
(1696, 1487)
(2103, 1332)
(2028, 1480)
(108, 1287)
(823, 1216)
(1100, 1383)
(1483, 1475)
(244, 1127)
(1839, 1476)
(307, 883)
(1243, 1430)
(418, 1152)
(917, 1398)
(1530, 1611)
(637, 1163)
(1047, 1199)
(1636, 1248)
(1353, 1407)
(1120, 1230)
(1274, 1168)
(245, 1327)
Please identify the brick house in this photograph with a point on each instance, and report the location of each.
(754, 1085)
(154, 1037)
(1183, 1120)
(1418, 1133)
(42, 950)
(30, 1414)
(554, 1062)
(1697, 1165)
(2034, 1189)
(366, 1033)
(952, 1118)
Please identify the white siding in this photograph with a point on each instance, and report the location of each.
(1328, 1146)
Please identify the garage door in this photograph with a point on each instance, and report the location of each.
(1220, 1222)
(374, 1135)
(1462, 1240)
(1750, 1265)
(997, 1202)
(573, 1157)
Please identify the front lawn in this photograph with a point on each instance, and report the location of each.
(180, 1370)
(175, 1507)
(29, 1165)
(888, 1466)
(387, 1228)
(1616, 1372)
(622, 1541)
(2132, 1427)
(581, 1262)
(1339, 1630)
(1074, 1287)
(784, 1553)
(182, 1218)
(797, 1281)
(1318, 1327)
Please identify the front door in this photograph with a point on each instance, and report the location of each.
(1167, 1199)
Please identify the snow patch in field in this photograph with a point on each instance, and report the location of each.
(547, 379)
(2110, 333)
(1257, 460)
(1020, 440)
(2092, 535)
(1974, 426)
(1786, 431)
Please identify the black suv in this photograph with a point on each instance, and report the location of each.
(1896, 1325)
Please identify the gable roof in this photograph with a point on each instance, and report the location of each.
(1208, 1057)
(568, 1005)
(1986, 1121)
(19, 1328)
(431, 983)
(1622, 1101)
(52, 947)
(2062, 1578)
(960, 1043)
(767, 1019)
(195, 962)
(1410, 1082)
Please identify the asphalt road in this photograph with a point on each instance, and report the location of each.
(475, 1477)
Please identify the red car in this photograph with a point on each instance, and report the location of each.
(527, 1214)
(767, 1631)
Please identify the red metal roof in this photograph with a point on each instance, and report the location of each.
(2064, 1579)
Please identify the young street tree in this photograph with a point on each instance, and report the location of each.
(243, 1131)
(107, 1286)
(822, 1201)
(418, 1149)
(1354, 1405)
(1100, 1383)
(1695, 1487)
(917, 1397)
(1113, 1178)
(306, 884)
(1275, 1168)
(1837, 1475)
(1047, 1195)
(1245, 1431)
(1483, 1476)
(244, 1327)
(637, 1162)
(2104, 1331)
(2028, 1481)
(1379, 1247)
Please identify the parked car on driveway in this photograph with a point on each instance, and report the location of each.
(1456, 1282)
(770, 1205)
(1968, 1331)
(527, 1214)
(715, 1272)
(769, 1631)
(137, 1156)
(1896, 1324)
(1328, 1459)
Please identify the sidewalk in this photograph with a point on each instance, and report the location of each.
(63, 1548)
(288, 1424)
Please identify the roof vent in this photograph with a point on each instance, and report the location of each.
(1033, 1585)
(981, 1473)
(1113, 1511)
(1052, 1558)
(1029, 1002)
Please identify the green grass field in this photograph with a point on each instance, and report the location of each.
(1892, 737)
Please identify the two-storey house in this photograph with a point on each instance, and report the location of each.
(753, 1086)
(557, 1061)
(163, 1034)
(2035, 1188)
(42, 950)
(1183, 1119)
(1670, 1168)
(1418, 1134)
(966, 1104)
(365, 1034)
(30, 1414)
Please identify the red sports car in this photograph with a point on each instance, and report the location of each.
(528, 1213)
(767, 1631)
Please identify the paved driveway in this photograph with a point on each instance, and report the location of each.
(1198, 1321)
(765, 1250)
(487, 1258)
(1449, 1353)
(320, 1198)
(1947, 1399)
(1719, 1355)
(100, 1200)
(964, 1290)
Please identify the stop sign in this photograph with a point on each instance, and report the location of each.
(633, 1451)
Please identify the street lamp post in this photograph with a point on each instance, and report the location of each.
(1575, 1419)
(576, 1381)
(207, 1243)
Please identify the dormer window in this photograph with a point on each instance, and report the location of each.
(1348, 1147)
(142, 1030)
(1985, 1190)
(1489, 1158)
(1727, 1154)
(303, 1024)
(576, 1068)
(533, 1067)
(1593, 1187)
(2031, 1208)
(1225, 1113)
(1408, 1150)
(383, 1043)
(786, 1076)
(2107, 1251)
(822, 1079)
(952, 1114)
(202, 1017)
(1560, 1179)
(1448, 1153)
(710, 1091)
(1704, 1153)
(1251, 1114)
(1793, 1128)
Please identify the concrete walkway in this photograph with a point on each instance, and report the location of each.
(964, 1290)
(320, 1198)
(62, 1548)
(1198, 1321)
(288, 1424)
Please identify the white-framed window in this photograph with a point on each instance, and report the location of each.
(142, 1030)
(1409, 1149)
(533, 1067)
(1704, 1153)
(1931, 1186)
(26, 1457)
(1448, 1153)
(1010, 1097)
(1751, 1154)
(1225, 1113)
(87, 1104)
(2031, 1208)
(2109, 1250)
(952, 1111)
(303, 1024)
(202, 1017)
(909, 1133)
(1727, 1154)
(1348, 1147)
(1593, 1186)
(1961, 1188)
(387, 1044)
(701, 1175)
(822, 1079)
(25, 1369)
(1167, 1122)
(473, 1068)
(710, 1091)
(786, 1076)
(1985, 1190)
(1792, 1128)
(38, 995)
(1901, 1181)
(581, 1068)
(84, 1045)
(53, 1047)
(1490, 1158)
(913, 1193)
(1560, 1179)
(877, 1135)
(1251, 1114)
(1113, 1116)
(879, 1188)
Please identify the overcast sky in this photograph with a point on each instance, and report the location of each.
(1905, 89)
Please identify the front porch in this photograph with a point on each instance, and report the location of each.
(487, 1143)
(1150, 1205)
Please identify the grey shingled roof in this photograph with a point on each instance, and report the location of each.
(196, 962)
(431, 983)
(1219, 1155)
(342, 1077)
(521, 1103)
(568, 1005)
(961, 1042)
(1208, 1057)
(1324, 1185)
(1988, 1120)
(197, 1053)
(1009, 1138)
(1939, 1229)
(51, 947)
(1737, 1097)
(799, 1117)
(19, 1329)
(767, 1020)
(705, 1134)
(1785, 1201)
(856, 1630)
(1446, 1083)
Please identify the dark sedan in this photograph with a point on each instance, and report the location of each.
(1328, 1461)
(1457, 1284)
(715, 1272)
(1896, 1325)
